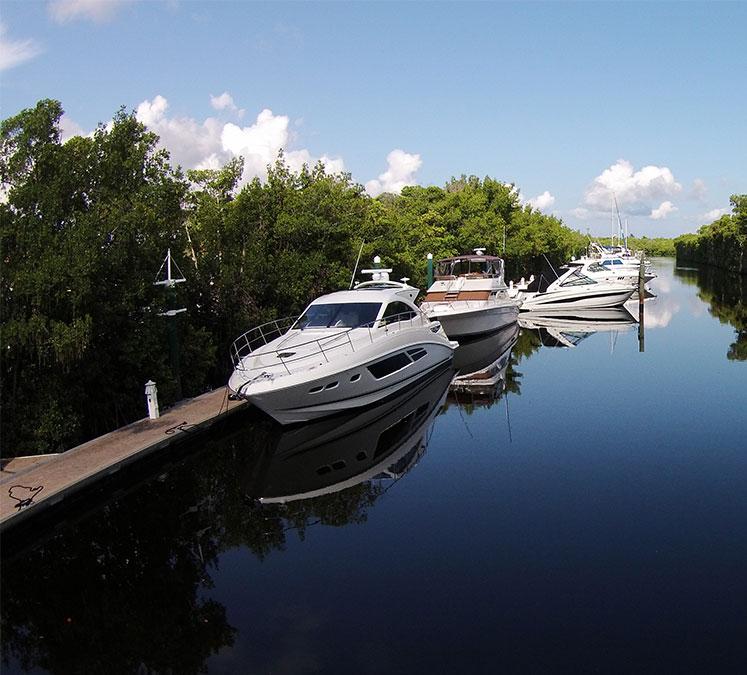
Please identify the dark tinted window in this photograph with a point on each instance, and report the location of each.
(397, 311)
(341, 314)
(388, 366)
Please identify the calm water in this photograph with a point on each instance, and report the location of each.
(585, 510)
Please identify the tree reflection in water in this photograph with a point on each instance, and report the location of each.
(726, 294)
(126, 587)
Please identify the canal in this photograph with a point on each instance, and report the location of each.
(580, 506)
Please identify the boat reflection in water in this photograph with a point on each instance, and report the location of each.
(382, 442)
(481, 365)
(568, 330)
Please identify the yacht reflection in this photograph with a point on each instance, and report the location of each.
(568, 330)
(481, 365)
(331, 455)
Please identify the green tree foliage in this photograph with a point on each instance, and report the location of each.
(722, 243)
(83, 231)
(268, 250)
(658, 246)
(467, 214)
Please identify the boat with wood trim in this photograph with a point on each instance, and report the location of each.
(469, 296)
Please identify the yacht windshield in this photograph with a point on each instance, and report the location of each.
(339, 315)
(577, 279)
(463, 266)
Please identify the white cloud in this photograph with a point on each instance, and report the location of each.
(715, 214)
(95, 10)
(544, 201)
(225, 102)
(665, 208)
(401, 172)
(699, 190)
(15, 52)
(212, 143)
(634, 190)
(70, 128)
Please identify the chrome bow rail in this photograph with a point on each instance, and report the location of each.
(261, 335)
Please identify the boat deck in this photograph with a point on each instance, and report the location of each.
(46, 480)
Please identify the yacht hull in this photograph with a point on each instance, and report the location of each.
(344, 383)
(563, 300)
(469, 320)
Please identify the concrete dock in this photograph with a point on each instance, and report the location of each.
(29, 484)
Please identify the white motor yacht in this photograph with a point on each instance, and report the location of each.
(348, 349)
(574, 290)
(469, 295)
(618, 260)
(594, 269)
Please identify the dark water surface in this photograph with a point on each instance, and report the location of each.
(585, 511)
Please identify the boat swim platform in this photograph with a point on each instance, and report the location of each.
(29, 485)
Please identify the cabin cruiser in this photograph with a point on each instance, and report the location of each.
(573, 289)
(330, 455)
(594, 269)
(469, 296)
(619, 260)
(347, 350)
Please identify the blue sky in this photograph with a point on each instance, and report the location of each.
(572, 102)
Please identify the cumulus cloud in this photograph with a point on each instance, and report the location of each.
(225, 102)
(94, 10)
(543, 202)
(715, 214)
(636, 191)
(212, 143)
(70, 128)
(665, 208)
(401, 172)
(15, 52)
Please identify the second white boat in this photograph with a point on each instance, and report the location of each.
(469, 296)
(574, 290)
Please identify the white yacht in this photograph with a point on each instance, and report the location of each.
(618, 260)
(469, 295)
(574, 290)
(594, 269)
(347, 350)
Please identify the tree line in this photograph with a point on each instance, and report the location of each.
(722, 243)
(85, 226)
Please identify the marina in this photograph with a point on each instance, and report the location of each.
(575, 503)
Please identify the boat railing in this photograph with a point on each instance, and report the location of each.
(473, 303)
(259, 336)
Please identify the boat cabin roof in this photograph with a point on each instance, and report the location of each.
(472, 258)
(487, 265)
(368, 291)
